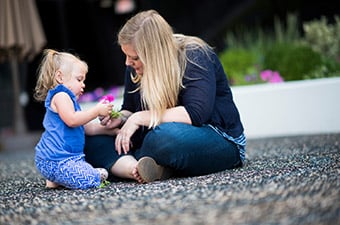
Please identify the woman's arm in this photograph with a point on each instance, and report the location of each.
(176, 114)
(198, 96)
(95, 128)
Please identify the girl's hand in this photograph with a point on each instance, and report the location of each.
(114, 113)
(104, 109)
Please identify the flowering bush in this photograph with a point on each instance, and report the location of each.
(244, 67)
(271, 76)
(255, 56)
(241, 66)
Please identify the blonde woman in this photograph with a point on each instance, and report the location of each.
(59, 153)
(178, 114)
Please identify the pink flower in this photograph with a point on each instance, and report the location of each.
(271, 76)
(276, 78)
(265, 75)
(107, 98)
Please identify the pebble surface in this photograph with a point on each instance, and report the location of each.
(287, 180)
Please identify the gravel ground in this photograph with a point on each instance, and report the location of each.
(287, 180)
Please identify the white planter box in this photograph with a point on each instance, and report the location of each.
(289, 108)
(285, 109)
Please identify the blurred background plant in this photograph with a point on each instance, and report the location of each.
(290, 54)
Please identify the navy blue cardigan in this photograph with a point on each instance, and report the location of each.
(207, 96)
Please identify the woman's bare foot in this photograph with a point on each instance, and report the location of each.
(147, 170)
(136, 176)
(125, 167)
(143, 171)
(50, 184)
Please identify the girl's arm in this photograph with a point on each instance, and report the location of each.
(63, 105)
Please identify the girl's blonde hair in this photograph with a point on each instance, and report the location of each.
(163, 55)
(53, 61)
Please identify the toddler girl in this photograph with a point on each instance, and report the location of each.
(59, 153)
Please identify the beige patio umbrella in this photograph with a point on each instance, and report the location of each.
(21, 38)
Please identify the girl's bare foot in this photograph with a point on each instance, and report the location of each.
(50, 184)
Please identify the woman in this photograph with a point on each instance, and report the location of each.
(178, 116)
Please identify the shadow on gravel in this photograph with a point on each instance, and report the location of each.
(287, 180)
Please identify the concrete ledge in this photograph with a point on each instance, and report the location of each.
(290, 108)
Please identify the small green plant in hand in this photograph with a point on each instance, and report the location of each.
(115, 114)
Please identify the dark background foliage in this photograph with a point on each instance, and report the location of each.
(85, 28)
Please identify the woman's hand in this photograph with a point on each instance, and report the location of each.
(110, 122)
(142, 118)
(123, 138)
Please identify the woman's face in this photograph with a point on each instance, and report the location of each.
(132, 58)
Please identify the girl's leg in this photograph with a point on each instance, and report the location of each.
(190, 150)
(47, 169)
(72, 173)
(76, 173)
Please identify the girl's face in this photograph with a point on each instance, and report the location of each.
(75, 82)
(132, 58)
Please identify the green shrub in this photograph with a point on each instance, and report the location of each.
(293, 61)
(329, 68)
(241, 66)
(323, 37)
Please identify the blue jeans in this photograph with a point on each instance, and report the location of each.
(189, 150)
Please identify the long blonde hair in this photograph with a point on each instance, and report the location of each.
(162, 54)
(52, 62)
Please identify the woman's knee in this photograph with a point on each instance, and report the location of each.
(98, 142)
(100, 151)
(160, 138)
